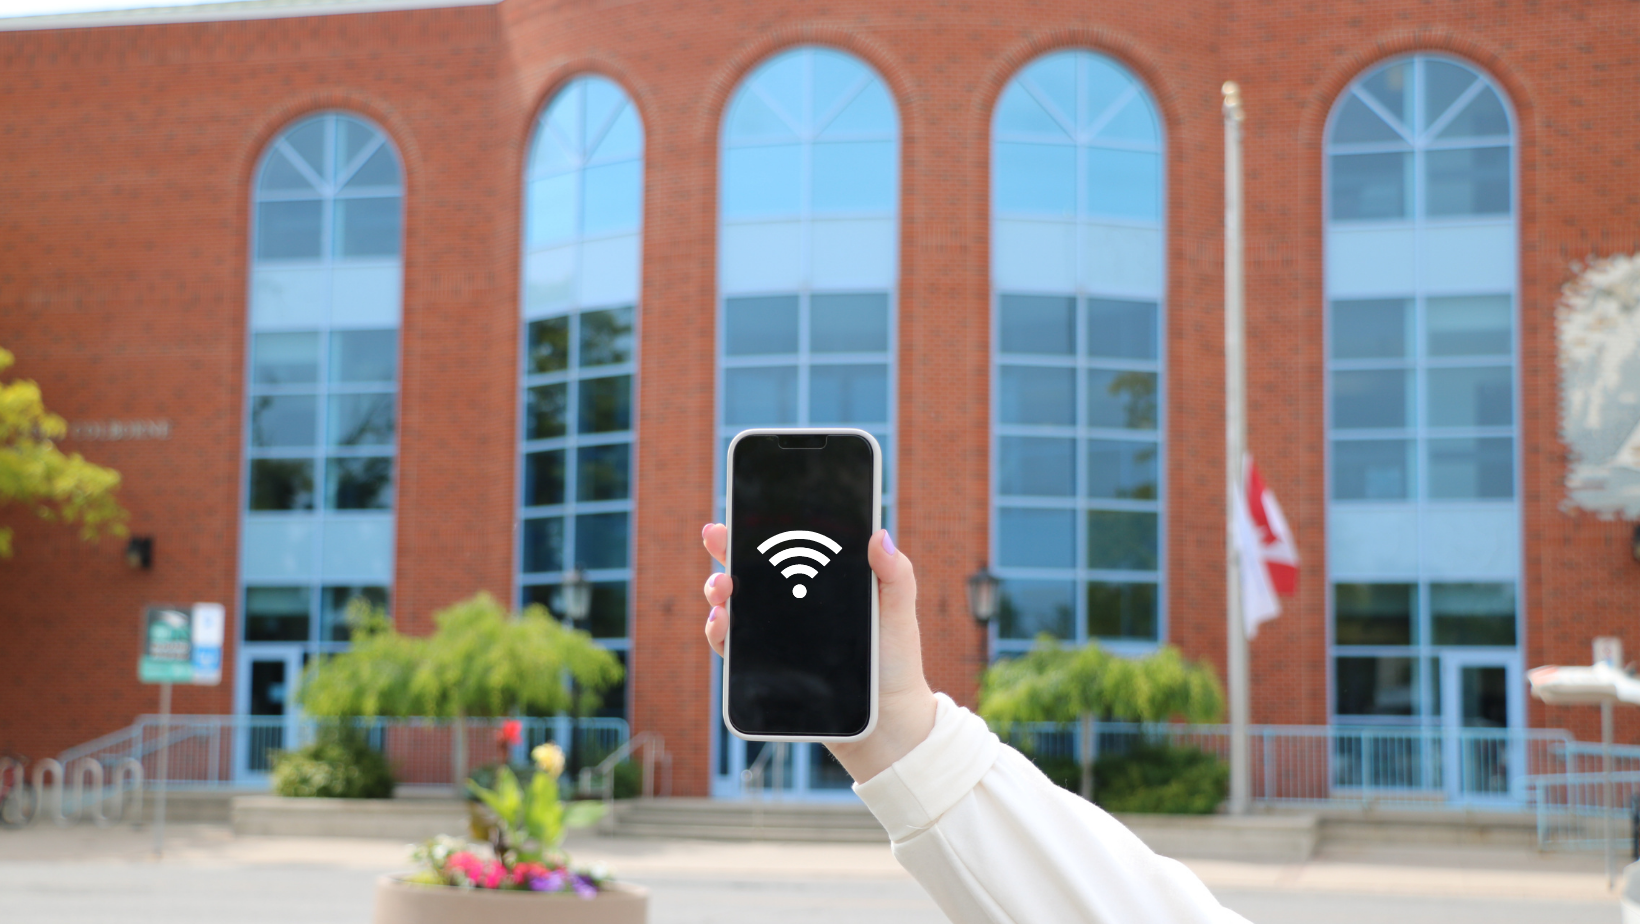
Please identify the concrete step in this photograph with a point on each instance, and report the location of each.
(720, 819)
(1447, 828)
(402, 819)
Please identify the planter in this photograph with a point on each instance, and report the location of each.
(399, 902)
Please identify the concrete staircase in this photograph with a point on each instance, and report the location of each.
(737, 820)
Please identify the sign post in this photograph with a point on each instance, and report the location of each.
(178, 646)
(1235, 439)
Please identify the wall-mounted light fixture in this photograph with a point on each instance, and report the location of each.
(1634, 544)
(139, 553)
(984, 595)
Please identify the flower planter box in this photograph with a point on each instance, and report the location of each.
(399, 902)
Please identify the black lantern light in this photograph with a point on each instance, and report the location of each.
(577, 595)
(139, 553)
(984, 595)
(1634, 544)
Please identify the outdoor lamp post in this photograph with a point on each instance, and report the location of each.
(984, 593)
(577, 596)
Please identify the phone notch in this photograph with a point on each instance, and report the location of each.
(803, 441)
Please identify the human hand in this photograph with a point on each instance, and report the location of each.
(905, 704)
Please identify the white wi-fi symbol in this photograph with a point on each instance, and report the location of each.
(798, 551)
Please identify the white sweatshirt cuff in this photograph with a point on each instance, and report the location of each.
(910, 796)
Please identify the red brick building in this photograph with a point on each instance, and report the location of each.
(1421, 180)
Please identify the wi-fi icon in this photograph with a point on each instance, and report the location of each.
(798, 551)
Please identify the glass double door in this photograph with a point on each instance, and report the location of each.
(1483, 749)
(267, 679)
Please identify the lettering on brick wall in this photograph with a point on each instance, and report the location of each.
(110, 430)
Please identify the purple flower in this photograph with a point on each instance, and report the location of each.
(551, 882)
(585, 887)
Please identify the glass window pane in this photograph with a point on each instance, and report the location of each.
(281, 484)
(1371, 328)
(1122, 330)
(614, 198)
(1469, 326)
(1124, 184)
(606, 404)
(1030, 608)
(334, 602)
(548, 347)
(1474, 181)
(308, 141)
(543, 546)
(1124, 469)
(1372, 469)
(1471, 397)
(606, 618)
(754, 326)
(364, 356)
(368, 227)
(1037, 324)
(1375, 614)
(1371, 399)
(1035, 178)
(854, 176)
(1037, 466)
(1038, 395)
(1122, 540)
(288, 230)
(550, 209)
(550, 596)
(359, 484)
(603, 472)
(1031, 538)
(760, 397)
(852, 394)
(600, 540)
(1472, 614)
(606, 337)
(277, 614)
(1357, 123)
(1376, 686)
(848, 323)
(762, 181)
(1483, 117)
(1390, 86)
(361, 420)
(1444, 82)
(280, 175)
(284, 420)
(380, 170)
(544, 408)
(1122, 399)
(1369, 187)
(1018, 112)
(869, 113)
(284, 359)
(1120, 610)
(1472, 469)
(544, 478)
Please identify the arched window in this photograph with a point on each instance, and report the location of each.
(1423, 519)
(1078, 399)
(808, 259)
(322, 385)
(583, 189)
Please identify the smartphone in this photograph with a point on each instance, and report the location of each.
(800, 662)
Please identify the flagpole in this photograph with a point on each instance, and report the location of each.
(1235, 439)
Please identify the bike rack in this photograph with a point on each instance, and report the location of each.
(23, 803)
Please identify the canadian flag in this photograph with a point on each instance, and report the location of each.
(1264, 543)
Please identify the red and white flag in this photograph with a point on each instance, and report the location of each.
(1264, 543)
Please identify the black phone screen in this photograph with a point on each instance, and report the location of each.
(800, 628)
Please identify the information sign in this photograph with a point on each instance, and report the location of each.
(182, 645)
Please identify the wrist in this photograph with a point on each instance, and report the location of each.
(904, 720)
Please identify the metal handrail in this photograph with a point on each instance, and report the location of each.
(653, 746)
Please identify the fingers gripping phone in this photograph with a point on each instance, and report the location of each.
(800, 661)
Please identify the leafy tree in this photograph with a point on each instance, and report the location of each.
(1052, 683)
(480, 661)
(38, 475)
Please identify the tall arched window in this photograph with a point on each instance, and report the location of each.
(1077, 393)
(583, 190)
(322, 384)
(808, 257)
(1423, 519)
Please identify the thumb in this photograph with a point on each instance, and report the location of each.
(896, 579)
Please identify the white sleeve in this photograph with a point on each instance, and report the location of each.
(994, 841)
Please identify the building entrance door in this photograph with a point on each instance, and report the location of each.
(1482, 714)
(268, 675)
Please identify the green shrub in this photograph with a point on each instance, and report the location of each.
(339, 764)
(1151, 778)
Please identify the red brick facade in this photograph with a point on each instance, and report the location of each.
(126, 153)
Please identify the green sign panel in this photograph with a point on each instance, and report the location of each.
(182, 645)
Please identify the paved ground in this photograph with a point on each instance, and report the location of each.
(83, 875)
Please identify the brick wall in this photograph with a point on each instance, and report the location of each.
(125, 160)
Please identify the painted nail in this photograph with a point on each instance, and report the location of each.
(712, 581)
(888, 543)
(716, 610)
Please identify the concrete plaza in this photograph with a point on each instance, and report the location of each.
(209, 876)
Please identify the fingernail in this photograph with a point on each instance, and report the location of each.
(703, 530)
(713, 614)
(888, 543)
(712, 581)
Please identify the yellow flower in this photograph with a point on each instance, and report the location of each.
(549, 758)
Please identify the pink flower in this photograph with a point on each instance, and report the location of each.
(512, 733)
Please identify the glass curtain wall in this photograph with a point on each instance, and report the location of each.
(582, 222)
(1077, 392)
(321, 423)
(1424, 517)
(808, 263)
